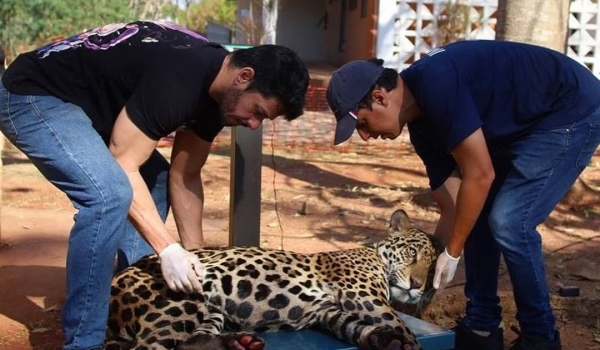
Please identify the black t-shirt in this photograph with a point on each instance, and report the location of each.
(160, 72)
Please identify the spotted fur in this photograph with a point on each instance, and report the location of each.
(249, 290)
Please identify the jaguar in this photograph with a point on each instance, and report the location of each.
(247, 290)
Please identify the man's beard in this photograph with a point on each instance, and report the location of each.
(230, 100)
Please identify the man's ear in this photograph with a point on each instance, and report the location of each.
(380, 97)
(244, 76)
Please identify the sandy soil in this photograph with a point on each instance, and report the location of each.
(312, 200)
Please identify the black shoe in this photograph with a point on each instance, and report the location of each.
(534, 342)
(466, 339)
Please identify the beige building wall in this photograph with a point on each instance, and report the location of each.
(332, 32)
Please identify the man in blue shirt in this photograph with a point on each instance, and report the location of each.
(504, 129)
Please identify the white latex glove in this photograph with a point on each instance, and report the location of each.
(180, 268)
(444, 269)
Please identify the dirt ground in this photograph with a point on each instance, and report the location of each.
(311, 201)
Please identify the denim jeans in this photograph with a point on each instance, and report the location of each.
(532, 175)
(62, 143)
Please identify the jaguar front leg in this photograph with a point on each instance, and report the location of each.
(384, 330)
(386, 338)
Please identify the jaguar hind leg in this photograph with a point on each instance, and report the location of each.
(117, 345)
(227, 341)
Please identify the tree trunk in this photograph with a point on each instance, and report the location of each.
(269, 18)
(539, 22)
(543, 23)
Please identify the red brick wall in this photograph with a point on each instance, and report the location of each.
(315, 97)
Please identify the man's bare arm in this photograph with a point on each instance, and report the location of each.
(445, 197)
(131, 148)
(188, 156)
(477, 174)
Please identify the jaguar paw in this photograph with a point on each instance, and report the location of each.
(242, 341)
(228, 341)
(386, 338)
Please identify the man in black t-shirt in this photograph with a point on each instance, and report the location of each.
(89, 110)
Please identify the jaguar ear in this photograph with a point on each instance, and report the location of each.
(399, 222)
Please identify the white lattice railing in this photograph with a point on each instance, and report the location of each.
(408, 29)
(583, 42)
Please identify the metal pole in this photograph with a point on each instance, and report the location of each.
(245, 187)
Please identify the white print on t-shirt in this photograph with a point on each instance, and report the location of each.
(436, 51)
(110, 35)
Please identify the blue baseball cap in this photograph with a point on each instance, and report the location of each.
(347, 87)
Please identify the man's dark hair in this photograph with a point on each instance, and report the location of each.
(387, 80)
(278, 72)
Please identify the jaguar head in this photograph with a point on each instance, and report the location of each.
(410, 256)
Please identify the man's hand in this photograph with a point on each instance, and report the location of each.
(444, 269)
(181, 269)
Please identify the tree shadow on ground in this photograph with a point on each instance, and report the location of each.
(304, 170)
(34, 300)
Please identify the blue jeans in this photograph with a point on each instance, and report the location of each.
(61, 142)
(532, 176)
